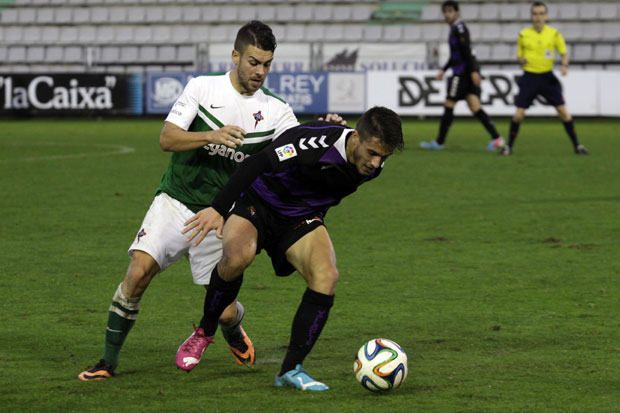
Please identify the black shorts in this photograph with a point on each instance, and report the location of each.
(460, 86)
(544, 84)
(276, 232)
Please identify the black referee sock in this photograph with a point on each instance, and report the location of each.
(308, 323)
(444, 125)
(487, 123)
(570, 130)
(514, 130)
(219, 295)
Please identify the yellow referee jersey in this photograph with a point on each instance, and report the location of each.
(539, 48)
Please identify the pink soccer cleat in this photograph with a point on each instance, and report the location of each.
(190, 352)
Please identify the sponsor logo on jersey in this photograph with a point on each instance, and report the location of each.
(216, 107)
(226, 152)
(313, 143)
(257, 117)
(141, 234)
(286, 152)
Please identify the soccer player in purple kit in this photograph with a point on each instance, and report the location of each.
(464, 82)
(279, 198)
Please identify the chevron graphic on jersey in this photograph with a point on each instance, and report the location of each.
(312, 143)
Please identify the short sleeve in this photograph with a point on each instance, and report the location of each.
(560, 44)
(185, 108)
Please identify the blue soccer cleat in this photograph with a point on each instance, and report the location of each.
(496, 143)
(300, 379)
(432, 145)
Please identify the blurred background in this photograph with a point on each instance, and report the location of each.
(135, 56)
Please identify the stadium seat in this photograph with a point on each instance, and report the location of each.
(570, 31)
(153, 14)
(510, 32)
(361, 12)
(323, 13)
(81, 15)
(162, 34)
(143, 34)
(109, 54)
(99, 15)
(228, 14)
(341, 13)
(296, 32)
(105, 34)
(31, 34)
(180, 34)
(124, 34)
(315, 32)
(489, 11)
(26, 16)
(588, 11)
(568, 11)
(509, 12)
(45, 15)
(63, 15)
(136, 14)
(503, 52)
(334, 33)
(246, 14)
(210, 14)
(431, 13)
(117, 15)
(373, 33)
(603, 52)
(186, 54)
(35, 54)
(147, 54)
(9, 16)
(50, 34)
(13, 34)
(278, 30)
(617, 53)
(592, 31)
(582, 52)
(167, 54)
(608, 11)
(68, 34)
(483, 52)
(304, 13)
(219, 33)
(54, 54)
(191, 14)
(3, 53)
(412, 33)
(199, 33)
(392, 33)
(490, 31)
(173, 14)
(610, 31)
(433, 32)
(129, 54)
(267, 14)
(73, 54)
(470, 12)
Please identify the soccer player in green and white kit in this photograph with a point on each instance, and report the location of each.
(215, 124)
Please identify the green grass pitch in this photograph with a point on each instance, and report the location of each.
(497, 275)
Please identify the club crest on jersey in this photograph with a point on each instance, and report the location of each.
(141, 234)
(257, 117)
(286, 152)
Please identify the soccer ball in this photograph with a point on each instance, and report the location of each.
(380, 365)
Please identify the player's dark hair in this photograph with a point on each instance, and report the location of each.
(450, 3)
(538, 4)
(257, 34)
(382, 123)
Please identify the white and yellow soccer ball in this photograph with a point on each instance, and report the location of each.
(380, 365)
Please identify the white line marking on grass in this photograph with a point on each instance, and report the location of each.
(113, 150)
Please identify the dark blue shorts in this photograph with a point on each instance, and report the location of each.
(534, 84)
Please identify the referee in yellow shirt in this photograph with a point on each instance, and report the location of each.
(536, 52)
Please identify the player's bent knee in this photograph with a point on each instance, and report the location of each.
(231, 266)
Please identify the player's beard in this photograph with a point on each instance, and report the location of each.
(251, 83)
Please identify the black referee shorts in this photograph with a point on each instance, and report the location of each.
(545, 84)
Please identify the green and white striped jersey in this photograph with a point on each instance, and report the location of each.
(208, 103)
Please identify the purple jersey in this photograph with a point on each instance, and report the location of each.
(462, 60)
(304, 171)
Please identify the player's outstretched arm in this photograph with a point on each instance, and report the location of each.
(175, 139)
(203, 222)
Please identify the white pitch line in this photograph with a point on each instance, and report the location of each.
(117, 150)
